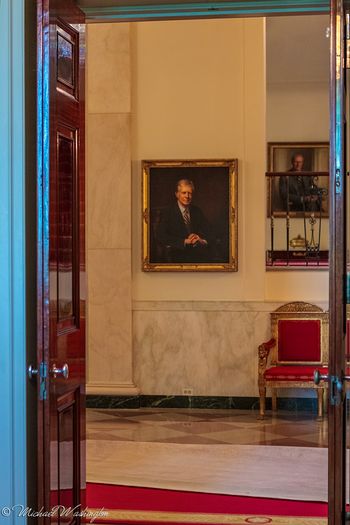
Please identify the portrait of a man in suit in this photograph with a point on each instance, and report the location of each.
(183, 230)
(300, 191)
(304, 188)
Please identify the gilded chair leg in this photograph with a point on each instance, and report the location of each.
(320, 393)
(274, 399)
(262, 394)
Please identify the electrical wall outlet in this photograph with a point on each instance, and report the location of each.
(187, 391)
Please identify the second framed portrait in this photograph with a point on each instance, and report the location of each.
(189, 215)
(298, 181)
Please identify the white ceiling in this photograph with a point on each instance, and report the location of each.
(297, 49)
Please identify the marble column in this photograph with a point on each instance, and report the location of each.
(108, 173)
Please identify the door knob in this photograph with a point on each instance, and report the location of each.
(32, 371)
(335, 385)
(318, 377)
(64, 371)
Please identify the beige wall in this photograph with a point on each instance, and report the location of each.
(297, 112)
(198, 91)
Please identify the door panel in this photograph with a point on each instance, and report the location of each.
(65, 251)
(61, 259)
(65, 486)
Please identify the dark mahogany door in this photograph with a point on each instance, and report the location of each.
(338, 266)
(61, 260)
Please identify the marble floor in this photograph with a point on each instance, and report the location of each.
(206, 426)
(142, 447)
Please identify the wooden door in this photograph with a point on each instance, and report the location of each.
(337, 276)
(61, 260)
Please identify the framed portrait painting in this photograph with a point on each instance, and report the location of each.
(298, 179)
(189, 220)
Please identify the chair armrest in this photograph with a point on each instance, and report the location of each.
(263, 353)
(266, 347)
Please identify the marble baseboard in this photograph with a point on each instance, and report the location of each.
(102, 401)
(292, 404)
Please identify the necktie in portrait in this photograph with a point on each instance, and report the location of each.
(186, 216)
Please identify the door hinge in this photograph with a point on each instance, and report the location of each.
(338, 182)
(43, 377)
(347, 40)
(336, 390)
(42, 373)
(346, 289)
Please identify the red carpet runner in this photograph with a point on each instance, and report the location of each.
(133, 505)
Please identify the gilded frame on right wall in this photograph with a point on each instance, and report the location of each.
(309, 158)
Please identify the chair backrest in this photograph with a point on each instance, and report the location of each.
(301, 333)
(299, 340)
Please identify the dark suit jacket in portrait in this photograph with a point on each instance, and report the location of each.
(298, 188)
(172, 231)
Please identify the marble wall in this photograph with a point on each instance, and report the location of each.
(210, 347)
(108, 177)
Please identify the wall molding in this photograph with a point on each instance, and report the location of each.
(111, 389)
(213, 306)
(164, 10)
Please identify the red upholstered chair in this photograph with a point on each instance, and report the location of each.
(298, 346)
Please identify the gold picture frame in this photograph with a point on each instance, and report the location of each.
(280, 160)
(212, 209)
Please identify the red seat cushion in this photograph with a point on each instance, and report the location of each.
(299, 340)
(293, 373)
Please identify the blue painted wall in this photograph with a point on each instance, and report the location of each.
(12, 263)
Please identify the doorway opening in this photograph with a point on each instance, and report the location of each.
(164, 348)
